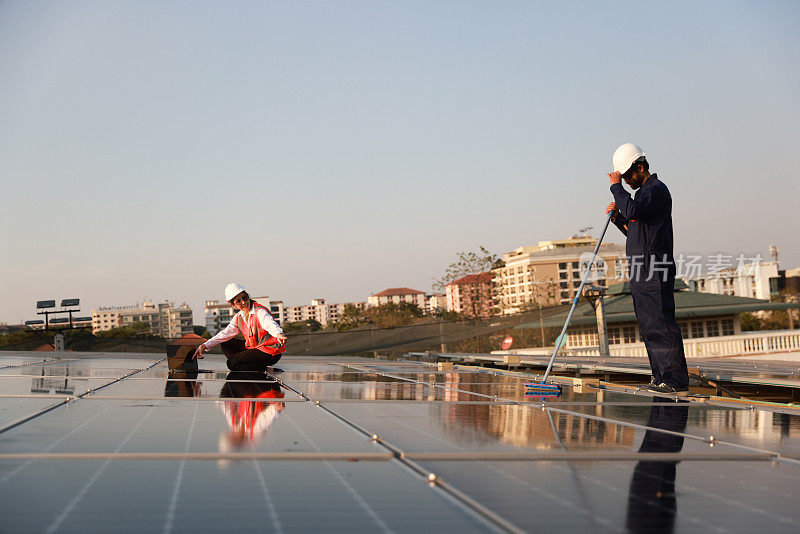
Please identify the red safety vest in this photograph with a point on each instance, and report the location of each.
(255, 337)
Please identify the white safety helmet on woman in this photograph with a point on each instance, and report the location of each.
(233, 289)
(625, 156)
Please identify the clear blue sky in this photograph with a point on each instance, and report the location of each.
(333, 149)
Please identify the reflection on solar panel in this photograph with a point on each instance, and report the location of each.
(117, 443)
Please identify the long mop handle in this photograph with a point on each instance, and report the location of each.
(575, 300)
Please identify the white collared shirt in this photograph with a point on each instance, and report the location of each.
(230, 331)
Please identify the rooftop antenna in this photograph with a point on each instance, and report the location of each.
(774, 250)
(583, 231)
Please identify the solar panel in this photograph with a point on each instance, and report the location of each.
(119, 443)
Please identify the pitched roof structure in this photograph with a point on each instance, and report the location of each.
(473, 279)
(392, 291)
(618, 305)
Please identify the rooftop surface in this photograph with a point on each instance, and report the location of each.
(112, 442)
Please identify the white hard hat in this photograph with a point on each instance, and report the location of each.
(233, 289)
(625, 156)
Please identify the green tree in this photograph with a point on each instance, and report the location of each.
(468, 263)
(350, 318)
(390, 314)
(132, 330)
(309, 325)
(477, 290)
(201, 331)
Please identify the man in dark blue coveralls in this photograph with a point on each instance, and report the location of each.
(646, 220)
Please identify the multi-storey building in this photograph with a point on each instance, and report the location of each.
(218, 315)
(108, 317)
(755, 280)
(319, 311)
(165, 319)
(471, 295)
(398, 295)
(550, 273)
(435, 302)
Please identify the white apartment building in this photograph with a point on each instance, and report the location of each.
(219, 315)
(398, 295)
(165, 319)
(747, 280)
(108, 317)
(550, 273)
(435, 302)
(319, 311)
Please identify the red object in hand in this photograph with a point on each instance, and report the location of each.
(506, 344)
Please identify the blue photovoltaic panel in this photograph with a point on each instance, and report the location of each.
(338, 443)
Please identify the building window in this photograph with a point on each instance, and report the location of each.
(564, 285)
(712, 328)
(574, 264)
(629, 334)
(562, 276)
(590, 338)
(727, 327)
(576, 274)
(565, 294)
(562, 266)
(697, 329)
(613, 335)
(571, 338)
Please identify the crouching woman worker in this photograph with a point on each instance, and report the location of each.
(263, 343)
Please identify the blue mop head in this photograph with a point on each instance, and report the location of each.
(542, 388)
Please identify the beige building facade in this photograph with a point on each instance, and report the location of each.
(397, 295)
(108, 317)
(550, 273)
(164, 319)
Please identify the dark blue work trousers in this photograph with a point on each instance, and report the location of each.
(654, 305)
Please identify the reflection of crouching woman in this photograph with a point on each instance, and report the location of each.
(263, 343)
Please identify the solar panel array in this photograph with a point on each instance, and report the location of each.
(114, 442)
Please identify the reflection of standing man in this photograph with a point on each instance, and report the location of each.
(646, 220)
(651, 501)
